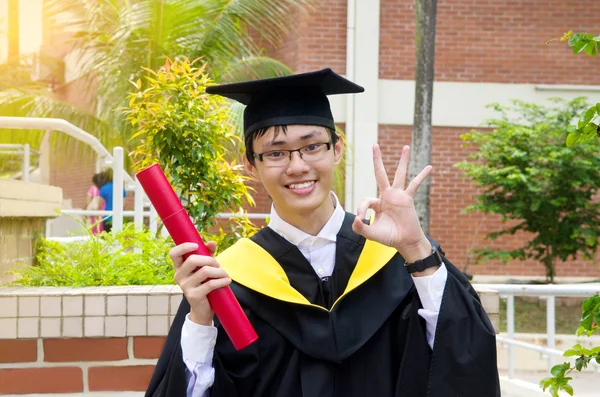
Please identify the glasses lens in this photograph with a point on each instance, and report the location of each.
(310, 153)
(276, 158)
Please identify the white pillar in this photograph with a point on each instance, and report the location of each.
(551, 327)
(510, 329)
(349, 128)
(153, 225)
(362, 114)
(26, 162)
(44, 158)
(138, 207)
(117, 219)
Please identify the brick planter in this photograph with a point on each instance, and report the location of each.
(82, 340)
(99, 339)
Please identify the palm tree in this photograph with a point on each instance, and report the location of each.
(112, 40)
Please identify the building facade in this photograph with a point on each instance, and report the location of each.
(486, 51)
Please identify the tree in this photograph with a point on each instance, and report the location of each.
(544, 189)
(426, 11)
(112, 40)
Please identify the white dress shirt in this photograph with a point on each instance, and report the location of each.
(198, 341)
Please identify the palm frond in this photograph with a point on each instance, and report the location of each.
(111, 40)
(254, 67)
(268, 19)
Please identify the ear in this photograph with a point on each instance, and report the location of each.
(250, 169)
(338, 149)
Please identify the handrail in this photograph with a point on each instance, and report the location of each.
(549, 292)
(40, 123)
(543, 290)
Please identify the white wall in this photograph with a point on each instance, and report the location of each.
(459, 104)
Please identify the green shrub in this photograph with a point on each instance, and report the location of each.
(188, 132)
(528, 177)
(129, 257)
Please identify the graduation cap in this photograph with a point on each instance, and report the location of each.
(295, 99)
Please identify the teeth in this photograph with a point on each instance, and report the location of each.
(301, 185)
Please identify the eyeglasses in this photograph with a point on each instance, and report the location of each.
(309, 153)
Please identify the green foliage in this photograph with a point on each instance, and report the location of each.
(587, 130)
(588, 127)
(238, 227)
(590, 316)
(129, 257)
(186, 131)
(582, 42)
(590, 319)
(530, 178)
(111, 40)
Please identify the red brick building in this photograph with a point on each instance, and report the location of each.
(486, 51)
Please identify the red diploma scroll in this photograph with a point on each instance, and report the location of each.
(182, 230)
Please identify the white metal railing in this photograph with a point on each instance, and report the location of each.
(121, 179)
(549, 292)
(25, 150)
(51, 124)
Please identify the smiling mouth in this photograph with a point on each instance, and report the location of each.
(302, 185)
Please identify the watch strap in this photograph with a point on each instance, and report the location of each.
(435, 259)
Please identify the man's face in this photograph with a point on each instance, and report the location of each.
(298, 186)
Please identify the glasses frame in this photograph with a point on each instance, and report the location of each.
(259, 156)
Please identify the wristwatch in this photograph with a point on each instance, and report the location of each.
(435, 259)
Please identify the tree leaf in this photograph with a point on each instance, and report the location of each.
(544, 383)
(590, 48)
(570, 353)
(587, 117)
(559, 370)
(567, 388)
(572, 138)
(579, 46)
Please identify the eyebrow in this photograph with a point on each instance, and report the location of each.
(308, 136)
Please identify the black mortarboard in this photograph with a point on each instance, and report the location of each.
(294, 99)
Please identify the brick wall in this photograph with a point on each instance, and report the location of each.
(450, 193)
(317, 40)
(73, 174)
(492, 41)
(477, 41)
(82, 339)
(77, 365)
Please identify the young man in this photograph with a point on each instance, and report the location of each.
(342, 306)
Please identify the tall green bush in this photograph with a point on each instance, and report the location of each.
(187, 132)
(527, 176)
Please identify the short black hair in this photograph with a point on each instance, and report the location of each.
(249, 140)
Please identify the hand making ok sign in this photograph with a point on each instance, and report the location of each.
(396, 222)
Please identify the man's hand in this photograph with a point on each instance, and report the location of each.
(197, 284)
(396, 222)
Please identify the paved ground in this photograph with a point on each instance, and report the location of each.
(584, 384)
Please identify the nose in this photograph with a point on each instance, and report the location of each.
(297, 165)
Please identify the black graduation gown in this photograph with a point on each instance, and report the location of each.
(370, 342)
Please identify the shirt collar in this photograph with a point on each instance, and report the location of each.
(297, 236)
